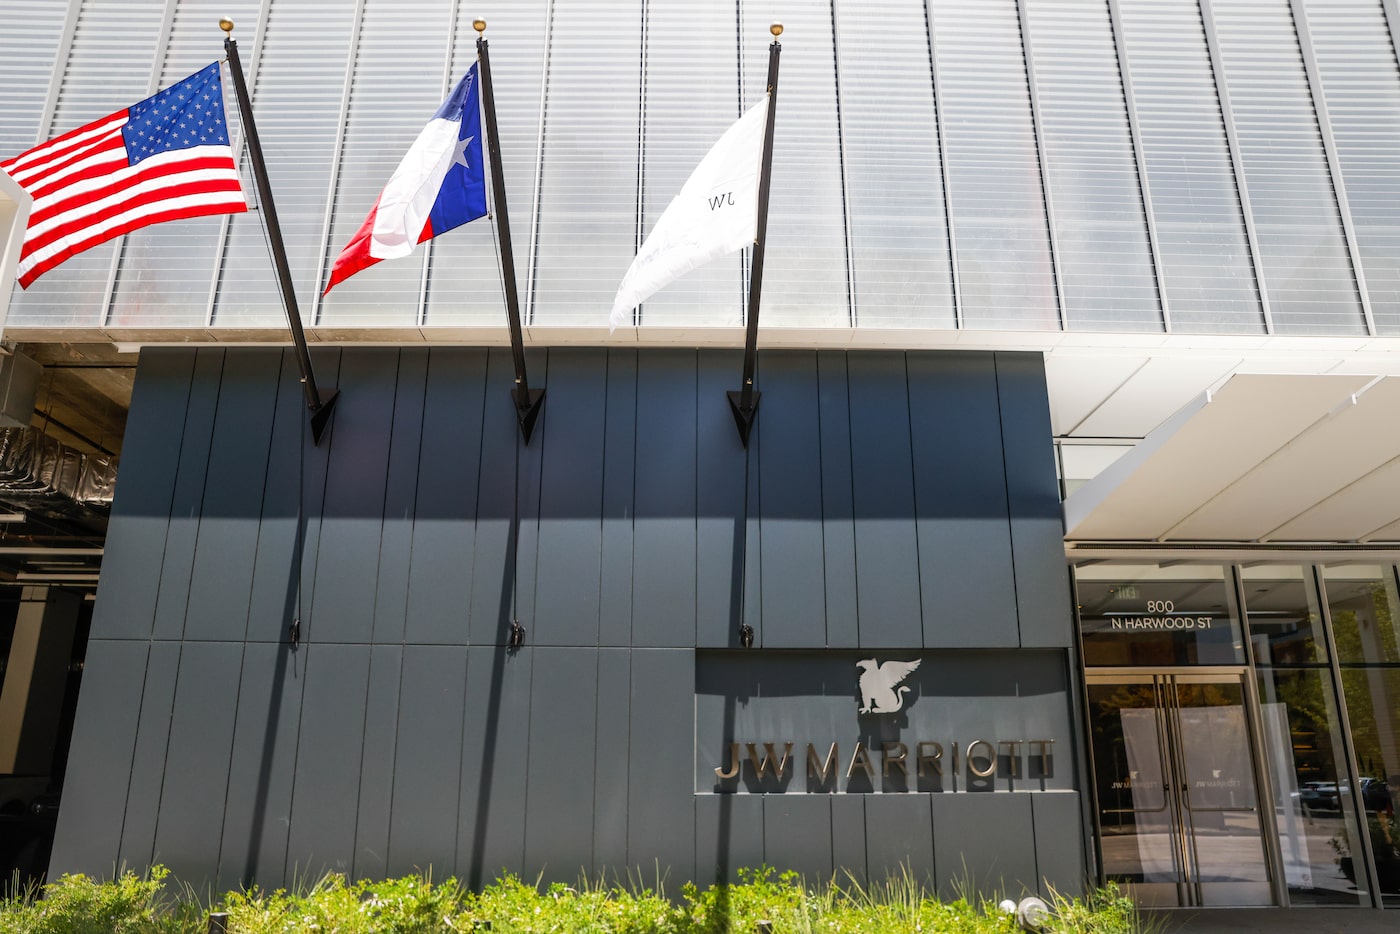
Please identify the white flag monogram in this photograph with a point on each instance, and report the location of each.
(715, 213)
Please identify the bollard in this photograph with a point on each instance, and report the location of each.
(218, 922)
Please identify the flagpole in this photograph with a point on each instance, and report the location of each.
(319, 408)
(527, 401)
(745, 401)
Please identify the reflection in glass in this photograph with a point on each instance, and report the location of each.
(1365, 622)
(1373, 712)
(1150, 614)
(1128, 771)
(1285, 621)
(1303, 751)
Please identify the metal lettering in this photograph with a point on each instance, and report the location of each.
(822, 771)
(761, 764)
(900, 761)
(864, 760)
(1015, 754)
(933, 758)
(733, 771)
(1045, 753)
(991, 769)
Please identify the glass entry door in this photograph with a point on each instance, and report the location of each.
(1178, 806)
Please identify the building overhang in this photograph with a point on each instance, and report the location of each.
(15, 203)
(1281, 460)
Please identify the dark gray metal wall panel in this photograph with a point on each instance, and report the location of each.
(572, 438)
(790, 484)
(559, 783)
(531, 468)
(728, 835)
(664, 546)
(227, 542)
(838, 529)
(427, 760)
(378, 765)
(797, 835)
(313, 466)
(899, 837)
(661, 825)
(719, 501)
(177, 562)
(495, 755)
(848, 838)
(352, 513)
(983, 843)
(441, 579)
(329, 747)
(887, 556)
(262, 767)
(148, 757)
(141, 510)
(193, 795)
(275, 567)
(960, 494)
(1059, 842)
(619, 463)
(89, 832)
(504, 556)
(400, 494)
(611, 759)
(1037, 523)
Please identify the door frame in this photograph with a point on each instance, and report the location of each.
(1264, 792)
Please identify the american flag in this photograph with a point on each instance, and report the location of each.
(163, 159)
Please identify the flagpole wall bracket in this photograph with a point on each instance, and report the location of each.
(745, 408)
(321, 415)
(527, 410)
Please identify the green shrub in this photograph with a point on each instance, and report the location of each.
(132, 904)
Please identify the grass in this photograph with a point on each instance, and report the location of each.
(139, 904)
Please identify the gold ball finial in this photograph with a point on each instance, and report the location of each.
(226, 25)
(776, 29)
(479, 25)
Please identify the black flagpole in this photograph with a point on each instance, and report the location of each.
(319, 408)
(527, 401)
(745, 401)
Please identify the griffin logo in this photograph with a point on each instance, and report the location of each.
(880, 687)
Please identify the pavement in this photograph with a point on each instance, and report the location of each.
(1276, 921)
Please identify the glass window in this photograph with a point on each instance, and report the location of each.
(1158, 614)
(1207, 271)
(1365, 623)
(1361, 83)
(1285, 621)
(1304, 754)
(1090, 169)
(1002, 240)
(1373, 712)
(1307, 269)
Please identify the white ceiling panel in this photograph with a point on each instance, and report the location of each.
(1156, 390)
(1355, 513)
(1199, 452)
(1327, 457)
(1079, 383)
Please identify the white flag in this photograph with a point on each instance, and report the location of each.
(715, 213)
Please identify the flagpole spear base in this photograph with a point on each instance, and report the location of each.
(744, 412)
(527, 411)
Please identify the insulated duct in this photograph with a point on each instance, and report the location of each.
(42, 476)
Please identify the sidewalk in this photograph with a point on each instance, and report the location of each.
(1279, 921)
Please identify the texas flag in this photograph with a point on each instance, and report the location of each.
(439, 185)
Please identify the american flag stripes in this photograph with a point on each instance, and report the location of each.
(163, 159)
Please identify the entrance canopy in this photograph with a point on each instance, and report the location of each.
(1309, 459)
